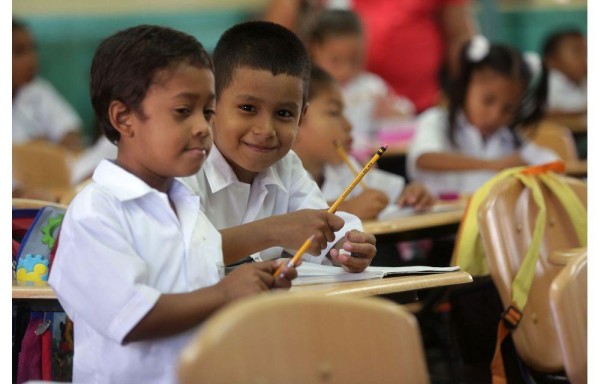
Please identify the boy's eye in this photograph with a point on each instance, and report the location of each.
(209, 113)
(284, 113)
(334, 113)
(183, 111)
(247, 108)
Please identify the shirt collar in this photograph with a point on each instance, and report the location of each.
(220, 175)
(503, 134)
(125, 185)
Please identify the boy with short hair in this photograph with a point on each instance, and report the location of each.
(139, 265)
(262, 72)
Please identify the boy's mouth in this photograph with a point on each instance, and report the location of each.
(261, 148)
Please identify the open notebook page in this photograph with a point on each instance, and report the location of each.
(310, 273)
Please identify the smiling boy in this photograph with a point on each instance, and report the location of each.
(253, 188)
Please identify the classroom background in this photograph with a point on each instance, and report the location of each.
(67, 32)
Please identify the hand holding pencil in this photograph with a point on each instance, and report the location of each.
(333, 209)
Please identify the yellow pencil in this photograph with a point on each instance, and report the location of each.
(333, 208)
(344, 156)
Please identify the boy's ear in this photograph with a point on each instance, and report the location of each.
(302, 114)
(120, 117)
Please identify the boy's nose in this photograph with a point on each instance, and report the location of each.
(264, 127)
(201, 128)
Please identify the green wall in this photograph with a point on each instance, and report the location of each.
(67, 43)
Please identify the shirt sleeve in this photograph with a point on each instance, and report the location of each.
(96, 274)
(533, 154)
(58, 115)
(430, 136)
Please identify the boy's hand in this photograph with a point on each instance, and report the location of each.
(292, 229)
(361, 246)
(252, 278)
(417, 196)
(367, 205)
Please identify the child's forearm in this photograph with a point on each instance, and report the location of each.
(246, 239)
(177, 312)
(446, 161)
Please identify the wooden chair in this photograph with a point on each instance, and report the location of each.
(560, 139)
(287, 338)
(568, 300)
(557, 137)
(42, 166)
(506, 223)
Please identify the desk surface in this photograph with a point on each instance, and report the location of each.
(451, 216)
(394, 284)
(362, 288)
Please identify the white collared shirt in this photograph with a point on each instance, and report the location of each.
(431, 136)
(121, 246)
(282, 188)
(565, 95)
(39, 111)
(337, 178)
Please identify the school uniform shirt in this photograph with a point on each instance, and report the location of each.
(282, 188)
(565, 95)
(40, 112)
(336, 179)
(360, 96)
(122, 246)
(431, 136)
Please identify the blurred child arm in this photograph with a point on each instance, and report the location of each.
(178, 312)
(365, 205)
(416, 195)
(448, 161)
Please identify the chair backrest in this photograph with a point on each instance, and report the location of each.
(506, 224)
(557, 137)
(41, 165)
(568, 300)
(291, 338)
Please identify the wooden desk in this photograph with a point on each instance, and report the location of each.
(387, 285)
(419, 225)
(372, 287)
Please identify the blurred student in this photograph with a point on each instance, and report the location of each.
(337, 44)
(139, 265)
(325, 123)
(39, 112)
(253, 188)
(498, 94)
(565, 55)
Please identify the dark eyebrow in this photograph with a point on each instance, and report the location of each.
(193, 96)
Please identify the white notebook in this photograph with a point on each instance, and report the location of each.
(310, 273)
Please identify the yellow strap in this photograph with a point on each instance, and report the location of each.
(468, 251)
(571, 203)
(524, 278)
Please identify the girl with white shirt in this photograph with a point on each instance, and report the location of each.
(498, 94)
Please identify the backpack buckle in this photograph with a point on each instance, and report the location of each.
(512, 317)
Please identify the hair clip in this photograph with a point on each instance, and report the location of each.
(479, 47)
(534, 63)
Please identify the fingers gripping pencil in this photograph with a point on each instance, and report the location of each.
(333, 209)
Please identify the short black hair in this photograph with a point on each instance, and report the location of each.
(335, 23)
(125, 63)
(553, 40)
(319, 80)
(260, 45)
